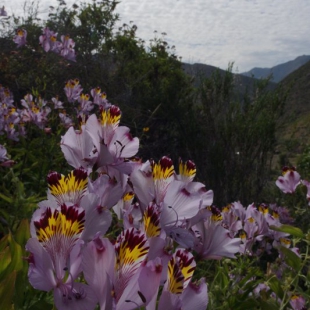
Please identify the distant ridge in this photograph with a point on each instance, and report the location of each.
(199, 71)
(278, 72)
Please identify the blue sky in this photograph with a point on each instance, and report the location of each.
(250, 33)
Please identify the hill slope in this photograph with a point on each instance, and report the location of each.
(199, 71)
(278, 72)
(294, 132)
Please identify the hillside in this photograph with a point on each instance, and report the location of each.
(294, 133)
(199, 71)
(278, 72)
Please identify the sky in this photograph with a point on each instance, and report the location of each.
(250, 33)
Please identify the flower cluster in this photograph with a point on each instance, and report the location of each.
(13, 120)
(64, 47)
(48, 40)
(37, 110)
(163, 215)
(156, 206)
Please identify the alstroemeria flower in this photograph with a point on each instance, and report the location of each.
(67, 189)
(73, 90)
(187, 171)
(79, 149)
(120, 275)
(100, 98)
(307, 184)
(178, 201)
(289, 181)
(298, 302)
(114, 143)
(57, 104)
(85, 104)
(3, 12)
(49, 42)
(4, 160)
(55, 260)
(178, 292)
(20, 38)
(65, 119)
(67, 48)
(214, 241)
(3, 153)
(35, 111)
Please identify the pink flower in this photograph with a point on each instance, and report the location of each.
(307, 184)
(123, 270)
(289, 181)
(3, 12)
(20, 38)
(298, 302)
(99, 98)
(67, 49)
(49, 42)
(214, 241)
(55, 256)
(57, 104)
(73, 90)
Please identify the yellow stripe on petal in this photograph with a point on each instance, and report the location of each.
(216, 214)
(111, 116)
(175, 278)
(275, 214)
(181, 268)
(70, 188)
(151, 222)
(187, 169)
(263, 208)
(68, 222)
(187, 265)
(286, 170)
(227, 208)
(131, 250)
(285, 242)
(164, 169)
(128, 196)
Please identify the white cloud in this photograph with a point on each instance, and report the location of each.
(251, 33)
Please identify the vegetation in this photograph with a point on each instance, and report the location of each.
(231, 135)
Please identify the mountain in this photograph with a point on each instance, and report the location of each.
(200, 71)
(278, 72)
(294, 130)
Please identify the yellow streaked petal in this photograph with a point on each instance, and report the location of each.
(187, 169)
(164, 169)
(70, 188)
(151, 222)
(68, 222)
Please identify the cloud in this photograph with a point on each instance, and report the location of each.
(252, 33)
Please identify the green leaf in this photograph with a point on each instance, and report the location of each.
(6, 198)
(291, 258)
(4, 242)
(20, 289)
(17, 255)
(275, 286)
(249, 303)
(41, 304)
(269, 305)
(5, 260)
(294, 231)
(23, 232)
(7, 291)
